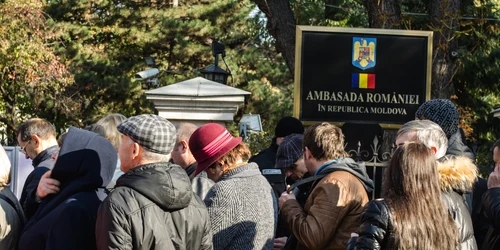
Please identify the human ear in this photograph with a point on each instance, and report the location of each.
(307, 153)
(36, 140)
(184, 146)
(136, 149)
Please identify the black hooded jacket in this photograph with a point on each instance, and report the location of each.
(376, 230)
(66, 220)
(153, 207)
(491, 203)
(42, 163)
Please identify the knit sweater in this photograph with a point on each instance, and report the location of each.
(243, 210)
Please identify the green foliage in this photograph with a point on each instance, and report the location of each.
(477, 81)
(33, 81)
(259, 141)
(343, 13)
(105, 42)
(259, 69)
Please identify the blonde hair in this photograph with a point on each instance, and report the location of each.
(4, 168)
(109, 123)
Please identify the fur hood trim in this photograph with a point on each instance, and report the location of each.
(457, 173)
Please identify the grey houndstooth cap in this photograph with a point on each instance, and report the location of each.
(152, 132)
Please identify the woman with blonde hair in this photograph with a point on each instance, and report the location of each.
(110, 124)
(412, 214)
(241, 204)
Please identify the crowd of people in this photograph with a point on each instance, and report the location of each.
(144, 183)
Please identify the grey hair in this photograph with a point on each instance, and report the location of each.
(428, 133)
(154, 157)
(185, 130)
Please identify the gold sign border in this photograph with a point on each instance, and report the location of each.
(298, 50)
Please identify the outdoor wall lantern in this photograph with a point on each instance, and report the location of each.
(214, 72)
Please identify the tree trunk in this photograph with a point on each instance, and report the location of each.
(281, 25)
(384, 14)
(444, 17)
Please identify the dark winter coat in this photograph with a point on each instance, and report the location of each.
(457, 176)
(479, 219)
(243, 210)
(200, 184)
(491, 205)
(376, 231)
(66, 220)
(456, 147)
(42, 163)
(266, 160)
(153, 207)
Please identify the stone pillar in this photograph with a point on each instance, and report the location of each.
(197, 101)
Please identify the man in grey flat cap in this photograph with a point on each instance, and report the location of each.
(152, 205)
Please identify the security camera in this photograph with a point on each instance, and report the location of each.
(146, 74)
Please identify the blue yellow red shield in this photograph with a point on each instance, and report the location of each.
(364, 52)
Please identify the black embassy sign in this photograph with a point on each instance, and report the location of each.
(361, 75)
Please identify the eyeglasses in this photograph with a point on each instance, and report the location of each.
(22, 150)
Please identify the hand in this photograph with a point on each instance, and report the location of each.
(279, 243)
(494, 179)
(284, 197)
(47, 186)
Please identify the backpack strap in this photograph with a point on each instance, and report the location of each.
(305, 181)
(313, 178)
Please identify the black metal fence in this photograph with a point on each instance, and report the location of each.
(375, 162)
(7, 140)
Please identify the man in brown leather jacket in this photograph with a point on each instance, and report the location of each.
(335, 204)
